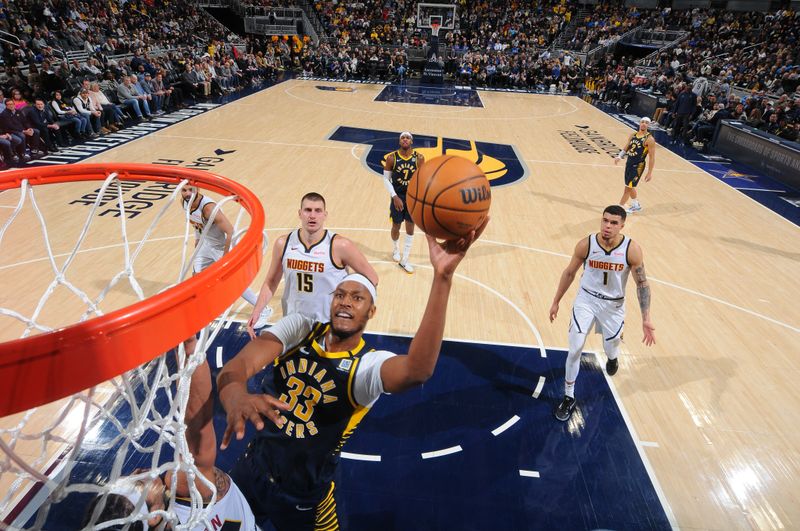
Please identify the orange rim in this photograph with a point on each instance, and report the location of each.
(40, 369)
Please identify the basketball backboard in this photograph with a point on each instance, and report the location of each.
(444, 14)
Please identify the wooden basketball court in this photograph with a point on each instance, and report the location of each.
(713, 403)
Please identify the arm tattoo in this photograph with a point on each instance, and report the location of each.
(222, 482)
(642, 289)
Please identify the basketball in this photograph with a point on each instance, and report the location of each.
(448, 196)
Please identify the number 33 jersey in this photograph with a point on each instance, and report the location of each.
(310, 276)
(328, 394)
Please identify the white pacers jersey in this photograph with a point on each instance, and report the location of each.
(606, 272)
(232, 511)
(215, 237)
(310, 276)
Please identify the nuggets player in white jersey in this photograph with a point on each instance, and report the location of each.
(312, 261)
(217, 240)
(640, 146)
(230, 510)
(398, 168)
(607, 258)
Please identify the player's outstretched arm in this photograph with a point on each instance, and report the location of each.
(240, 405)
(269, 286)
(578, 256)
(348, 254)
(403, 372)
(636, 261)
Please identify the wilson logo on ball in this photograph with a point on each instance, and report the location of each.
(473, 195)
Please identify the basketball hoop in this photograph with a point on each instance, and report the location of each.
(126, 373)
(45, 367)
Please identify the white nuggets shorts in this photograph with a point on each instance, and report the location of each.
(607, 315)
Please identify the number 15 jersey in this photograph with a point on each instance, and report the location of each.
(310, 276)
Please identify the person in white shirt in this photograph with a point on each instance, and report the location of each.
(607, 258)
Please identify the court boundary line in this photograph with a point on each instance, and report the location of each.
(662, 497)
(453, 116)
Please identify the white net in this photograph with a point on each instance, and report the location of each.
(65, 464)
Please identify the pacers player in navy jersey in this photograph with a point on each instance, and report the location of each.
(400, 165)
(607, 258)
(312, 262)
(324, 380)
(640, 146)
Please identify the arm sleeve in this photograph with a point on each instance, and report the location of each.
(367, 385)
(291, 329)
(387, 182)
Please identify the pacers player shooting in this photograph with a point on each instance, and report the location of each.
(324, 380)
(400, 165)
(640, 145)
(607, 258)
(312, 262)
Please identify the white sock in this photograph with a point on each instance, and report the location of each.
(396, 245)
(407, 247)
(569, 389)
(636, 203)
(250, 296)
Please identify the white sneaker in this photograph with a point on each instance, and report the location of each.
(634, 208)
(262, 319)
(396, 255)
(408, 268)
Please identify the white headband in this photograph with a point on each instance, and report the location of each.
(645, 120)
(406, 133)
(364, 281)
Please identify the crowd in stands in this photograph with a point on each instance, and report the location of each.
(54, 102)
(732, 65)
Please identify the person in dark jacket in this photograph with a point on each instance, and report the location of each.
(40, 117)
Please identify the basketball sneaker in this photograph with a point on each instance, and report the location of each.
(396, 255)
(634, 208)
(408, 268)
(564, 410)
(262, 319)
(612, 366)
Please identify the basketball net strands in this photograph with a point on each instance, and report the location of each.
(115, 383)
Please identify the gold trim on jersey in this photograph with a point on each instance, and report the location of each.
(316, 330)
(326, 518)
(337, 355)
(397, 154)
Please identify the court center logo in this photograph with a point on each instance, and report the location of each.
(500, 162)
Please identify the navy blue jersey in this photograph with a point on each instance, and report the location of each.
(637, 149)
(318, 386)
(402, 171)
